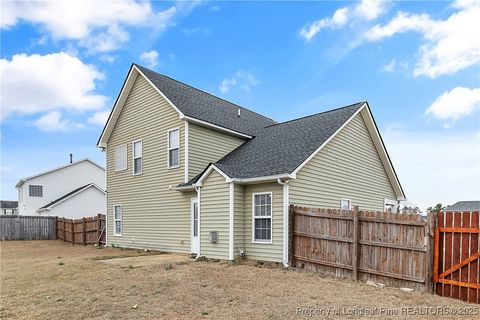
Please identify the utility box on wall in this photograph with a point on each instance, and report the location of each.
(213, 236)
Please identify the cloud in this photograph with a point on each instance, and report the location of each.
(99, 118)
(390, 67)
(54, 121)
(108, 58)
(241, 79)
(150, 58)
(97, 25)
(455, 104)
(40, 83)
(449, 45)
(364, 10)
(436, 167)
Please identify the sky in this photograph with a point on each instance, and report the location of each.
(63, 63)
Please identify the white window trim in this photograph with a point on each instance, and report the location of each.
(115, 220)
(253, 218)
(389, 202)
(349, 203)
(133, 157)
(168, 148)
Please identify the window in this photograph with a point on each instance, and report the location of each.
(390, 205)
(121, 158)
(262, 217)
(35, 191)
(173, 148)
(137, 157)
(345, 204)
(117, 211)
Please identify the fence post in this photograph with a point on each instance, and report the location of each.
(355, 243)
(64, 230)
(430, 259)
(99, 227)
(56, 228)
(291, 235)
(73, 232)
(84, 226)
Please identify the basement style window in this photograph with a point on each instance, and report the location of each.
(35, 191)
(173, 148)
(262, 217)
(137, 157)
(121, 157)
(345, 204)
(117, 211)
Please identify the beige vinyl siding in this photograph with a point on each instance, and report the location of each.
(205, 146)
(214, 216)
(347, 167)
(264, 251)
(153, 216)
(239, 219)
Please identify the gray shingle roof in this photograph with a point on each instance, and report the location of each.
(464, 206)
(4, 204)
(281, 148)
(201, 105)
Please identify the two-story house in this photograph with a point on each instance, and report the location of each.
(192, 173)
(72, 191)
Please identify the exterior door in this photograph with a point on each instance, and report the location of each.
(195, 227)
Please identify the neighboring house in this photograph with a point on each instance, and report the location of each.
(8, 207)
(190, 172)
(461, 206)
(75, 190)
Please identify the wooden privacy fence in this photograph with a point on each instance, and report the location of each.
(456, 270)
(15, 227)
(390, 248)
(82, 231)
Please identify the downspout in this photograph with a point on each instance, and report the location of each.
(199, 205)
(285, 220)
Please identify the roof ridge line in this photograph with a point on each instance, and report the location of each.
(206, 92)
(315, 114)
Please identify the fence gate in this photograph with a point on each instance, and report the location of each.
(456, 261)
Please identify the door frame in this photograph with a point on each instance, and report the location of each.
(194, 247)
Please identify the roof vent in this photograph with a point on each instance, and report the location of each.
(238, 113)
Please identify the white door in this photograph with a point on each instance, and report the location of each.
(195, 227)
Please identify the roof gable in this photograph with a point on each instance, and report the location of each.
(69, 195)
(23, 180)
(191, 104)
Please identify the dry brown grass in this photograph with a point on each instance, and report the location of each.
(35, 285)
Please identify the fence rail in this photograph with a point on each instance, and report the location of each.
(82, 231)
(16, 227)
(394, 249)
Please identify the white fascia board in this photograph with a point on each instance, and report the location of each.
(216, 127)
(264, 178)
(328, 140)
(207, 172)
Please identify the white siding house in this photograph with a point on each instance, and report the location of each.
(73, 191)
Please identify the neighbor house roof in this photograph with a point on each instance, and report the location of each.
(464, 206)
(8, 204)
(22, 181)
(69, 195)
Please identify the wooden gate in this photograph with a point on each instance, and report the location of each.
(456, 263)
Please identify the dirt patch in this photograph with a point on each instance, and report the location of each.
(34, 285)
(150, 260)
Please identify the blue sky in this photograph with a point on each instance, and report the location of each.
(416, 63)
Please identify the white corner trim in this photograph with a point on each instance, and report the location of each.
(106, 198)
(186, 151)
(328, 140)
(199, 221)
(217, 127)
(207, 172)
(231, 221)
(286, 200)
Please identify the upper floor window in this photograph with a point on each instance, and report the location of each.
(121, 157)
(173, 148)
(137, 157)
(35, 191)
(345, 204)
(262, 217)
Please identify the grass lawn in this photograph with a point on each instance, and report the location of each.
(54, 280)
